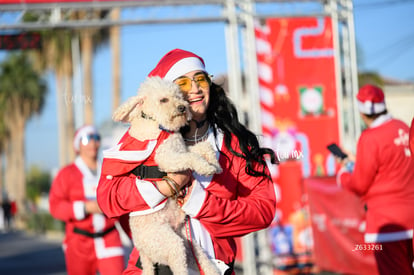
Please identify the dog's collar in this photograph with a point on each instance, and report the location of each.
(163, 129)
(145, 116)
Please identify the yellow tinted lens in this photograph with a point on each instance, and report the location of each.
(184, 83)
(201, 80)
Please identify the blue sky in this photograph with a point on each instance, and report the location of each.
(384, 34)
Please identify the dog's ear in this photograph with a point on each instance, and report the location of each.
(122, 113)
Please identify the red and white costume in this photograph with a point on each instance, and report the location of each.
(220, 207)
(74, 185)
(384, 178)
(127, 155)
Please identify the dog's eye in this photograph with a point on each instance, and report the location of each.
(164, 100)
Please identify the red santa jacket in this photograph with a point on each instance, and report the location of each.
(220, 207)
(130, 153)
(72, 186)
(384, 178)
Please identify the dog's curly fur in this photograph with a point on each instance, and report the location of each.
(161, 236)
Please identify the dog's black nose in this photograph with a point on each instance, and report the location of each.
(181, 108)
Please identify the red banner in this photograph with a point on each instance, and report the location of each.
(338, 225)
(298, 91)
(299, 119)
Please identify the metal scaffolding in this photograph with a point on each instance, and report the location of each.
(239, 17)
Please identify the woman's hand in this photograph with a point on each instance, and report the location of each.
(179, 180)
(185, 193)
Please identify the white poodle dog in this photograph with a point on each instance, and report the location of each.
(161, 236)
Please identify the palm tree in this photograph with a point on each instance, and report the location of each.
(56, 55)
(4, 140)
(22, 94)
(57, 52)
(87, 53)
(91, 40)
(115, 41)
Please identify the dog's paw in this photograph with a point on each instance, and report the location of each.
(203, 148)
(209, 169)
(206, 150)
(213, 162)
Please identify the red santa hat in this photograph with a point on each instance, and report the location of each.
(177, 63)
(83, 132)
(371, 100)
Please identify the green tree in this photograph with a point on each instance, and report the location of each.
(4, 139)
(56, 56)
(370, 78)
(37, 182)
(22, 94)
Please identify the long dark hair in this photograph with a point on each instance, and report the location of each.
(222, 112)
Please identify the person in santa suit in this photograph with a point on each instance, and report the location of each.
(92, 243)
(236, 202)
(382, 175)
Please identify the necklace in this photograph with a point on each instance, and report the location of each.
(199, 124)
(196, 139)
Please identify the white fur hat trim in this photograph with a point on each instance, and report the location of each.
(184, 66)
(370, 108)
(81, 132)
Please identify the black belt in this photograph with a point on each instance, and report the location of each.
(93, 235)
(148, 172)
(160, 269)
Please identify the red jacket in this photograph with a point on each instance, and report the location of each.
(384, 178)
(221, 207)
(72, 186)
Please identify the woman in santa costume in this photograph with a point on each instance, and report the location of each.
(92, 243)
(238, 201)
(383, 176)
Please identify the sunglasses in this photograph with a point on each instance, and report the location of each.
(86, 139)
(185, 83)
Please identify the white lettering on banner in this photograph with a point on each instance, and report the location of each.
(320, 221)
(310, 31)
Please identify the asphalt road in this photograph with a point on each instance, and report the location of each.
(26, 254)
(22, 253)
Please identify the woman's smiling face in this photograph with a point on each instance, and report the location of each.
(198, 96)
